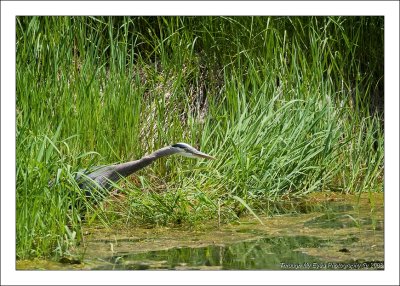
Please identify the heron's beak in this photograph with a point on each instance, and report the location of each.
(203, 155)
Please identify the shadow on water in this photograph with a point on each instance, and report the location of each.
(344, 233)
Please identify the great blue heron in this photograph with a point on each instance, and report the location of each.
(103, 177)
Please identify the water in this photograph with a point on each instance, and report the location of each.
(341, 234)
(265, 253)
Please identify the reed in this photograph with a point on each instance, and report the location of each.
(288, 105)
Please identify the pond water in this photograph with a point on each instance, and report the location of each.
(329, 232)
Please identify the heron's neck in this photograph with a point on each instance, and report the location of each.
(125, 169)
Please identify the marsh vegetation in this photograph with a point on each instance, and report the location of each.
(290, 106)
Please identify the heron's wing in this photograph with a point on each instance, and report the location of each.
(99, 176)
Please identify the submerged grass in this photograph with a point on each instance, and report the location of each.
(288, 105)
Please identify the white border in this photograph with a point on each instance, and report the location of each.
(8, 12)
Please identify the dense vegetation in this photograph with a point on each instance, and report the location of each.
(288, 105)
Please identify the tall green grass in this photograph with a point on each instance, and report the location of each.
(288, 105)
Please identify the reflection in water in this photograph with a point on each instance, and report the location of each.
(330, 234)
(265, 253)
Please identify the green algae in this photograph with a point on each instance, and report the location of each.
(343, 233)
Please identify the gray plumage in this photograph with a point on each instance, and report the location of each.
(103, 177)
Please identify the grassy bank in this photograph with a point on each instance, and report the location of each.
(288, 105)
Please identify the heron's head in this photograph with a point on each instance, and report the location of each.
(188, 151)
